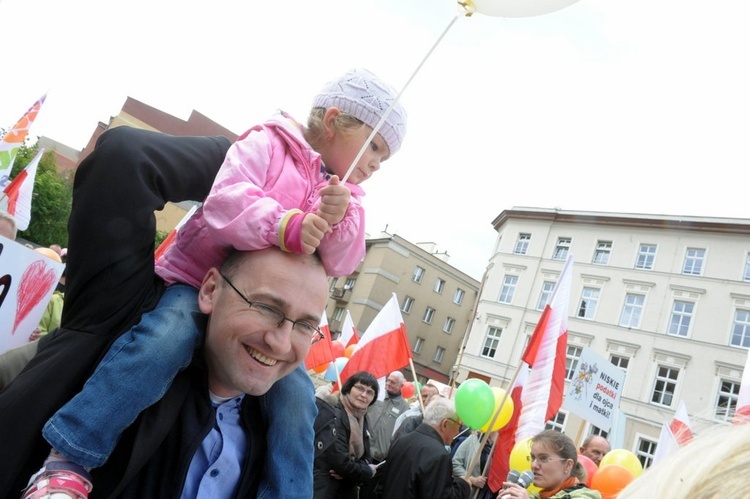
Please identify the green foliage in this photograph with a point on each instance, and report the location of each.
(161, 235)
(52, 199)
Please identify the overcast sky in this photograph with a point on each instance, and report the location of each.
(636, 107)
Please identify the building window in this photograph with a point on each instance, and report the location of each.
(620, 361)
(349, 283)
(645, 451)
(418, 274)
(338, 313)
(491, 341)
(665, 385)
(589, 301)
(571, 361)
(602, 252)
(562, 248)
(458, 297)
(694, 261)
(448, 326)
(406, 306)
(557, 423)
(726, 403)
(418, 345)
(682, 312)
(595, 430)
(439, 352)
(508, 290)
(631, 311)
(646, 256)
(522, 244)
(741, 329)
(547, 287)
(746, 276)
(439, 285)
(429, 313)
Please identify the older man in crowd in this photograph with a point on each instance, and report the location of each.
(595, 448)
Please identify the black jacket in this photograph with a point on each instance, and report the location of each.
(332, 432)
(419, 467)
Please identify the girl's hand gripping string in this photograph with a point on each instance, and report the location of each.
(334, 200)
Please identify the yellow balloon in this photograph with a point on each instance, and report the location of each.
(520, 455)
(624, 458)
(505, 414)
(515, 8)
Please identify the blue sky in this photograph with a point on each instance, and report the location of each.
(638, 107)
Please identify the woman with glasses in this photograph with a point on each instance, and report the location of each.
(557, 472)
(342, 445)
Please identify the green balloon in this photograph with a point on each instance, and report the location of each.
(474, 402)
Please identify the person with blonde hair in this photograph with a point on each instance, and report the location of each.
(714, 464)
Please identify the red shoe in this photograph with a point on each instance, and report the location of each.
(59, 480)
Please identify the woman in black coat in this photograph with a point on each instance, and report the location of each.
(342, 446)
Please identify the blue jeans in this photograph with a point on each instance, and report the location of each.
(136, 372)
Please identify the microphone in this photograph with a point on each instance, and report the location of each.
(513, 476)
(525, 479)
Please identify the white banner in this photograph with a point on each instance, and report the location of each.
(27, 281)
(594, 391)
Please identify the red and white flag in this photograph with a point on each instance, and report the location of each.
(500, 463)
(742, 412)
(384, 347)
(349, 334)
(18, 193)
(320, 353)
(545, 354)
(173, 233)
(14, 139)
(674, 435)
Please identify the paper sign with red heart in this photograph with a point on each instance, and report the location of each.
(35, 283)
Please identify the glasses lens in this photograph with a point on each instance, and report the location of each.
(269, 314)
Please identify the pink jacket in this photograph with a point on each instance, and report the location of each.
(268, 176)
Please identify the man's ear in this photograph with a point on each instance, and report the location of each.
(208, 290)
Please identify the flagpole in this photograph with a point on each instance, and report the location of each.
(414, 377)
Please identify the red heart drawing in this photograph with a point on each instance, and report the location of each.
(36, 282)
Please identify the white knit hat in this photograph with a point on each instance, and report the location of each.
(363, 95)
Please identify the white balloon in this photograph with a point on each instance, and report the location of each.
(517, 8)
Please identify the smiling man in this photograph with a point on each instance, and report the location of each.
(238, 421)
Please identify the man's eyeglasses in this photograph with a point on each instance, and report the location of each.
(454, 421)
(274, 317)
(544, 459)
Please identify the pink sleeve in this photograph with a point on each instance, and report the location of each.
(343, 249)
(237, 211)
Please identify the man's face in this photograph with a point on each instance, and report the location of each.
(6, 229)
(393, 384)
(243, 352)
(596, 450)
(425, 394)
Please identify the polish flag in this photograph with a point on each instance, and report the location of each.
(742, 412)
(349, 335)
(674, 435)
(19, 193)
(384, 347)
(545, 354)
(167, 242)
(506, 440)
(320, 353)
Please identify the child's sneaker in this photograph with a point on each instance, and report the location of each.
(59, 480)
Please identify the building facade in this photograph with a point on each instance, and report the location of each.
(665, 298)
(436, 300)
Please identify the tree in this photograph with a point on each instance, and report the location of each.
(52, 200)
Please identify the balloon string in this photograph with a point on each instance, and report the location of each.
(388, 111)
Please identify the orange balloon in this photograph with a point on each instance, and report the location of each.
(349, 351)
(321, 368)
(49, 253)
(611, 479)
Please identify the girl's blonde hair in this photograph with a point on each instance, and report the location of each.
(715, 464)
(315, 133)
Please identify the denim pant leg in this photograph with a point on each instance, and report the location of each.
(135, 373)
(291, 411)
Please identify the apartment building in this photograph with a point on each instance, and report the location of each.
(436, 300)
(665, 298)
